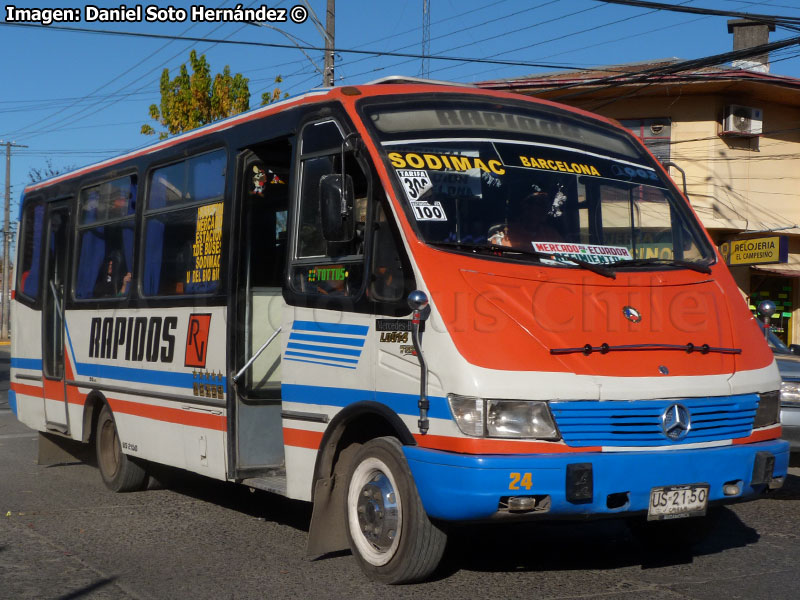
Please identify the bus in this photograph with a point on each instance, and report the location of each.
(413, 305)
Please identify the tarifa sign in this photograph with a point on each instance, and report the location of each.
(756, 251)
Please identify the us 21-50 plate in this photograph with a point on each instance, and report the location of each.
(677, 501)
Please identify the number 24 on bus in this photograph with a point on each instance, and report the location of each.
(508, 393)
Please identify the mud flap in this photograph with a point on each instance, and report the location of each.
(327, 531)
(58, 450)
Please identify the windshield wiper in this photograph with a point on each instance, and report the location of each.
(667, 262)
(492, 248)
(599, 269)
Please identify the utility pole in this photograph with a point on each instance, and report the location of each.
(330, 31)
(4, 311)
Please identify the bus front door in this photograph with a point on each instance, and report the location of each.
(264, 200)
(55, 397)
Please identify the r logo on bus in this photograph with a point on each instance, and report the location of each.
(197, 340)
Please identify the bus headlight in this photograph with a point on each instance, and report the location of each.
(790, 393)
(468, 412)
(503, 418)
(769, 409)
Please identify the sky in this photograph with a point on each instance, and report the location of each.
(79, 98)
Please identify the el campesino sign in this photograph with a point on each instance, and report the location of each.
(756, 251)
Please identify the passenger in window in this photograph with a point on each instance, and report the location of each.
(386, 280)
(114, 278)
(533, 219)
(498, 235)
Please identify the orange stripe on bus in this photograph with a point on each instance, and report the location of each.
(27, 390)
(302, 438)
(484, 446)
(762, 435)
(169, 415)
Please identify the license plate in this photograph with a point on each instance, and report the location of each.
(677, 501)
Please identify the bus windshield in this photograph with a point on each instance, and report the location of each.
(474, 174)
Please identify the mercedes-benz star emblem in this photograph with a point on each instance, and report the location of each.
(633, 315)
(676, 422)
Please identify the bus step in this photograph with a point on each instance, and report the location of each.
(275, 483)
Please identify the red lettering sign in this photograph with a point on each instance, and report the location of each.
(197, 341)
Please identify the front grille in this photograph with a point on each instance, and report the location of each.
(638, 422)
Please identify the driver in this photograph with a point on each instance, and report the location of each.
(532, 220)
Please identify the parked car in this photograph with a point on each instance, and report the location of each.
(789, 367)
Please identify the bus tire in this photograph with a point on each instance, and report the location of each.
(390, 535)
(119, 472)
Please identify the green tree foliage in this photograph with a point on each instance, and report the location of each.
(189, 101)
(274, 95)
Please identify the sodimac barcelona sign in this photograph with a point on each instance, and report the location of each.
(756, 251)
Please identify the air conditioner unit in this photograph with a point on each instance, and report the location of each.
(742, 120)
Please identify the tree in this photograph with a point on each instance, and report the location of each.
(36, 175)
(189, 101)
(274, 95)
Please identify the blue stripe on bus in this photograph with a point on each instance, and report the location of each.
(317, 362)
(327, 339)
(325, 349)
(130, 374)
(330, 327)
(307, 355)
(403, 404)
(26, 363)
(12, 401)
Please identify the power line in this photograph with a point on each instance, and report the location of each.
(75, 115)
(459, 15)
(613, 40)
(704, 11)
(489, 38)
(561, 37)
(289, 46)
(634, 77)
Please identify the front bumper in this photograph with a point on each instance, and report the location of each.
(790, 425)
(460, 487)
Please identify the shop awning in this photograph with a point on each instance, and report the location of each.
(786, 270)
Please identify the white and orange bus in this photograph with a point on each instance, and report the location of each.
(410, 304)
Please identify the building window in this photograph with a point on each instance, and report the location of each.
(654, 134)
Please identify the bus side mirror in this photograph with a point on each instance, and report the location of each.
(336, 208)
(794, 348)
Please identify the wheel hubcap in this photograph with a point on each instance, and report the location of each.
(377, 512)
(109, 449)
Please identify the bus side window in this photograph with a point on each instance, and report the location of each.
(321, 267)
(106, 225)
(387, 279)
(30, 250)
(183, 251)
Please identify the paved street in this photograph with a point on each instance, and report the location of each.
(63, 535)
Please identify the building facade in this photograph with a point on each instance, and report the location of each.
(731, 135)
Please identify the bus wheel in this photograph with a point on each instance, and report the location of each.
(389, 532)
(119, 473)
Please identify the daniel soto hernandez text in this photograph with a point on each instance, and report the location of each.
(155, 14)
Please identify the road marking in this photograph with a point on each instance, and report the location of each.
(11, 436)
